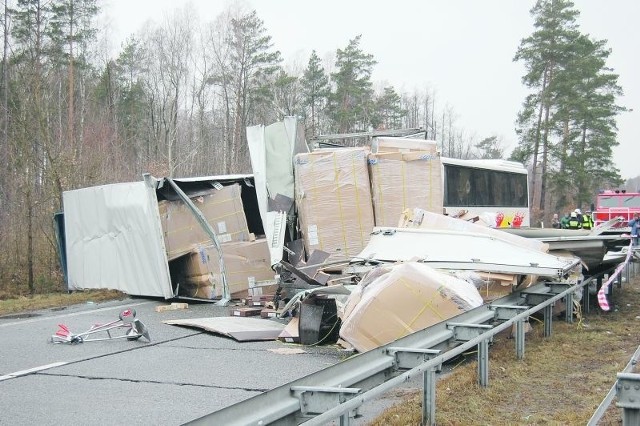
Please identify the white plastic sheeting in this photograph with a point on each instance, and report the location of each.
(114, 240)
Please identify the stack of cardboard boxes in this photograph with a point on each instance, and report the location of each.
(194, 261)
(405, 174)
(333, 198)
(341, 194)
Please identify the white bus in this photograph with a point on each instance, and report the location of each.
(496, 191)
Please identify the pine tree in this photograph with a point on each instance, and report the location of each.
(567, 125)
(315, 89)
(252, 68)
(351, 103)
(388, 112)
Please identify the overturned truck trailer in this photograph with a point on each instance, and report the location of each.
(147, 238)
(213, 237)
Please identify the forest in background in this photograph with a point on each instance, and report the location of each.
(178, 96)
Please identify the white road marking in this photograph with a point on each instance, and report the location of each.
(31, 370)
(74, 314)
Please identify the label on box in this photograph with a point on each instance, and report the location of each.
(224, 238)
(255, 291)
(312, 235)
(222, 227)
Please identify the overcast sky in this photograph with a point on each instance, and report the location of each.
(461, 49)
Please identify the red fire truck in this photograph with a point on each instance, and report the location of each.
(611, 204)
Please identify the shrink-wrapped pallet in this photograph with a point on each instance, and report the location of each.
(333, 198)
(405, 180)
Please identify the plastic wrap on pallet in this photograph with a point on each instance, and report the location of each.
(394, 301)
(333, 197)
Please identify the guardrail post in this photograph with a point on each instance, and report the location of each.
(548, 320)
(586, 296)
(483, 363)
(466, 332)
(505, 313)
(627, 272)
(628, 393)
(520, 339)
(619, 280)
(429, 397)
(569, 308)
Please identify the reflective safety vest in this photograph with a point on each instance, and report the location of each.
(574, 223)
(587, 221)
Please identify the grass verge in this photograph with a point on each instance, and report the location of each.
(561, 380)
(56, 300)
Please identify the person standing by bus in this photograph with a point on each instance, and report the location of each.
(555, 222)
(579, 215)
(634, 224)
(574, 223)
(587, 220)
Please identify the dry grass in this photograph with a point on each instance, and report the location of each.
(55, 300)
(561, 380)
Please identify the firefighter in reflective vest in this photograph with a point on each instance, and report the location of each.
(587, 221)
(574, 223)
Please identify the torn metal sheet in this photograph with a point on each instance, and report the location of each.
(241, 329)
(461, 250)
(271, 150)
(590, 248)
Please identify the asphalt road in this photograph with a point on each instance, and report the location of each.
(181, 375)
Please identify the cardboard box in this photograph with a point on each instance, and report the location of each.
(397, 300)
(393, 144)
(247, 265)
(291, 333)
(223, 210)
(245, 312)
(197, 291)
(172, 307)
(333, 197)
(269, 313)
(260, 300)
(401, 181)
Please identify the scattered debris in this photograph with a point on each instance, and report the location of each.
(172, 307)
(242, 329)
(133, 330)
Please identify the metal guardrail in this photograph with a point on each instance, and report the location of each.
(338, 391)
